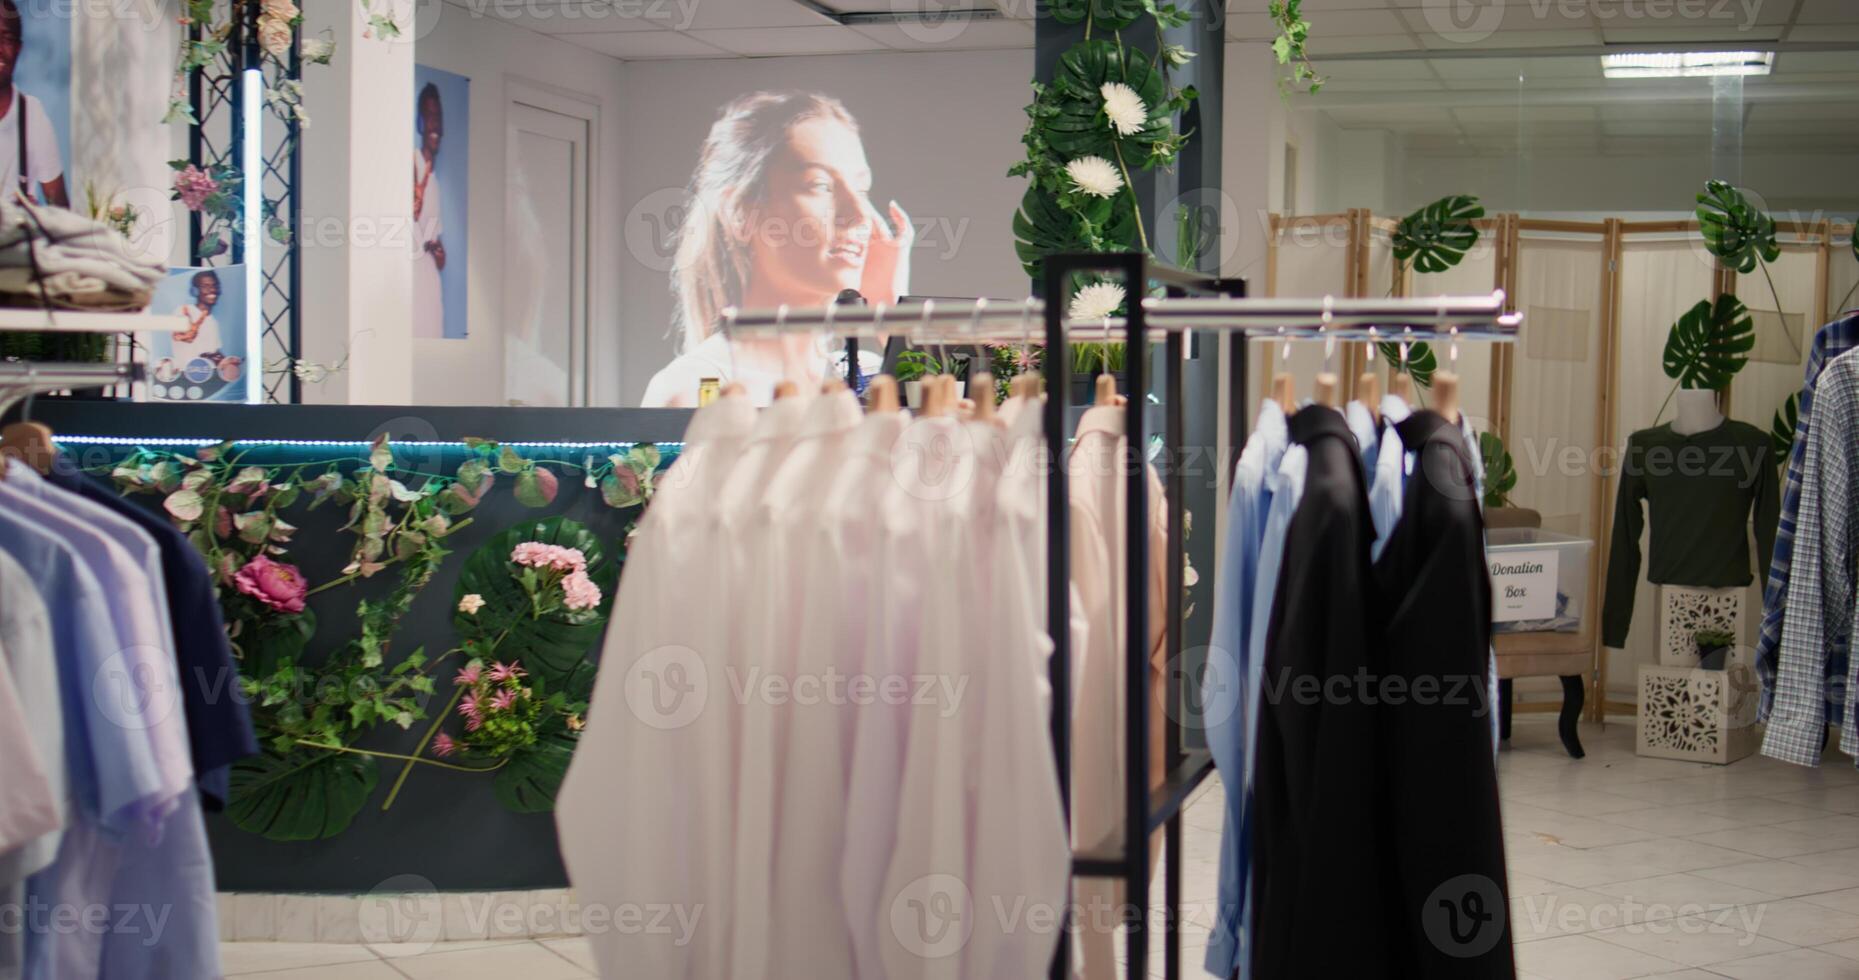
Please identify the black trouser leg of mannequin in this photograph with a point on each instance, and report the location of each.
(1504, 709)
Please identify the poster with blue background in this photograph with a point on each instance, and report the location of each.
(206, 360)
(35, 72)
(441, 202)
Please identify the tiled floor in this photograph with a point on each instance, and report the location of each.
(1620, 867)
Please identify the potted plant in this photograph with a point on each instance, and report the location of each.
(1713, 647)
(912, 365)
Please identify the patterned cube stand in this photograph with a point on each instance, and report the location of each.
(1686, 712)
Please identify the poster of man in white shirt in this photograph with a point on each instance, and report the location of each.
(35, 89)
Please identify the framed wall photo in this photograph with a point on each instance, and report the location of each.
(207, 360)
(441, 202)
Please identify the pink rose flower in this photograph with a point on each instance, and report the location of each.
(274, 35)
(277, 585)
(194, 186)
(442, 745)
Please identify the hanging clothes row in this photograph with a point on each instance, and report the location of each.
(1803, 651)
(1353, 583)
(828, 674)
(128, 720)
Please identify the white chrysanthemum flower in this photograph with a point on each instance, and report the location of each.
(1125, 108)
(1097, 301)
(1095, 175)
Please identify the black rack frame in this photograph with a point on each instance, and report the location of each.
(1144, 812)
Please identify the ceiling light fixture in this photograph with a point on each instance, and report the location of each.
(1687, 64)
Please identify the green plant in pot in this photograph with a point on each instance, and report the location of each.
(1713, 647)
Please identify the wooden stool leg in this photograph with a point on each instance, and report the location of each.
(1504, 709)
(1573, 694)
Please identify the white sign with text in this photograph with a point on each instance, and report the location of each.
(1523, 585)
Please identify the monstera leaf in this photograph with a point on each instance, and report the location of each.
(529, 781)
(1709, 344)
(1044, 227)
(304, 794)
(1734, 230)
(553, 647)
(1080, 127)
(1782, 430)
(1437, 236)
(1421, 361)
(1500, 472)
(1108, 15)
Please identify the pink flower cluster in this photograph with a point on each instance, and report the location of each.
(578, 590)
(194, 185)
(535, 554)
(502, 696)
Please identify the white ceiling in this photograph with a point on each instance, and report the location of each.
(1504, 73)
(670, 29)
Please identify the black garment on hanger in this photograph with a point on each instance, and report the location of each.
(219, 726)
(1316, 844)
(1444, 840)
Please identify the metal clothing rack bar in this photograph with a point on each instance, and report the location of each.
(20, 380)
(1219, 306)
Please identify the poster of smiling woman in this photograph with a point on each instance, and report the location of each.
(441, 185)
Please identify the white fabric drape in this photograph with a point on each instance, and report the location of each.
(1782, 341)
(1555, 383)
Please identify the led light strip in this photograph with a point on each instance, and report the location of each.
(333, 443)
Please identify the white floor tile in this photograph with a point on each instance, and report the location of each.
(1795, 964)
(576, 951)
(1672, 854)
(1783, 878)
(370, 970)
(526, 960)
(1845, 860)
(1800, 922)
(1770, 842)
(1695, 940)
(1587, 958)
(1682, 891)
(242, 958)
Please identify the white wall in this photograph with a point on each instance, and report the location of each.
(940, 130)
(494, 54)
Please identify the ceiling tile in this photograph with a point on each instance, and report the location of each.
(1824, 33)
(1379, 70)
(1714, 32)
(730, 14)
(1509, 40)
(975, 35)
(572, 16)
(1482, 24)
(1251, 27)
(1358, 22)
(788, 40)
(1366, 44)
(1532, 70)
(646, 45)
(1828, 12)
(1804, 62)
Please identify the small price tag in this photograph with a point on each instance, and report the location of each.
(1523, 585)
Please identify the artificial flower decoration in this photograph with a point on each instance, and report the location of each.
(193, 186)
(1096, 301)
(274, 36)
(1128, 115)
(1095, 175)
(273, 583)
(470, 604)
(317, 50)
(469, 674)
(579, 592)
(442, 745)
(507, 672)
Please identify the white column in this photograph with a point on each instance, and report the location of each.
(357, 297)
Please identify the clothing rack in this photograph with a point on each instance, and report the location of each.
(1193, 302)
(21, 380)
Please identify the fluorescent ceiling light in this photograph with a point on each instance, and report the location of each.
(1688, 64)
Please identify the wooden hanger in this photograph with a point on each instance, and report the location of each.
(1325, 391)
(1284, 392)
(881, 397)
(833, 385)
(1446, 395)
(734, 390)
(30, 443)
(1401, 385)
(1106, 393)
(786, 389)
(1368, 392)
(981, 392)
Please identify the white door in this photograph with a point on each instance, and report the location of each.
(545, 287)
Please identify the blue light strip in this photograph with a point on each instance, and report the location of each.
(332, 443)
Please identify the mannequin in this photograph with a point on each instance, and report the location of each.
(1697, 411)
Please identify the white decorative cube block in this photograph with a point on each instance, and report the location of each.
(1698, 715)
(1683, 611)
